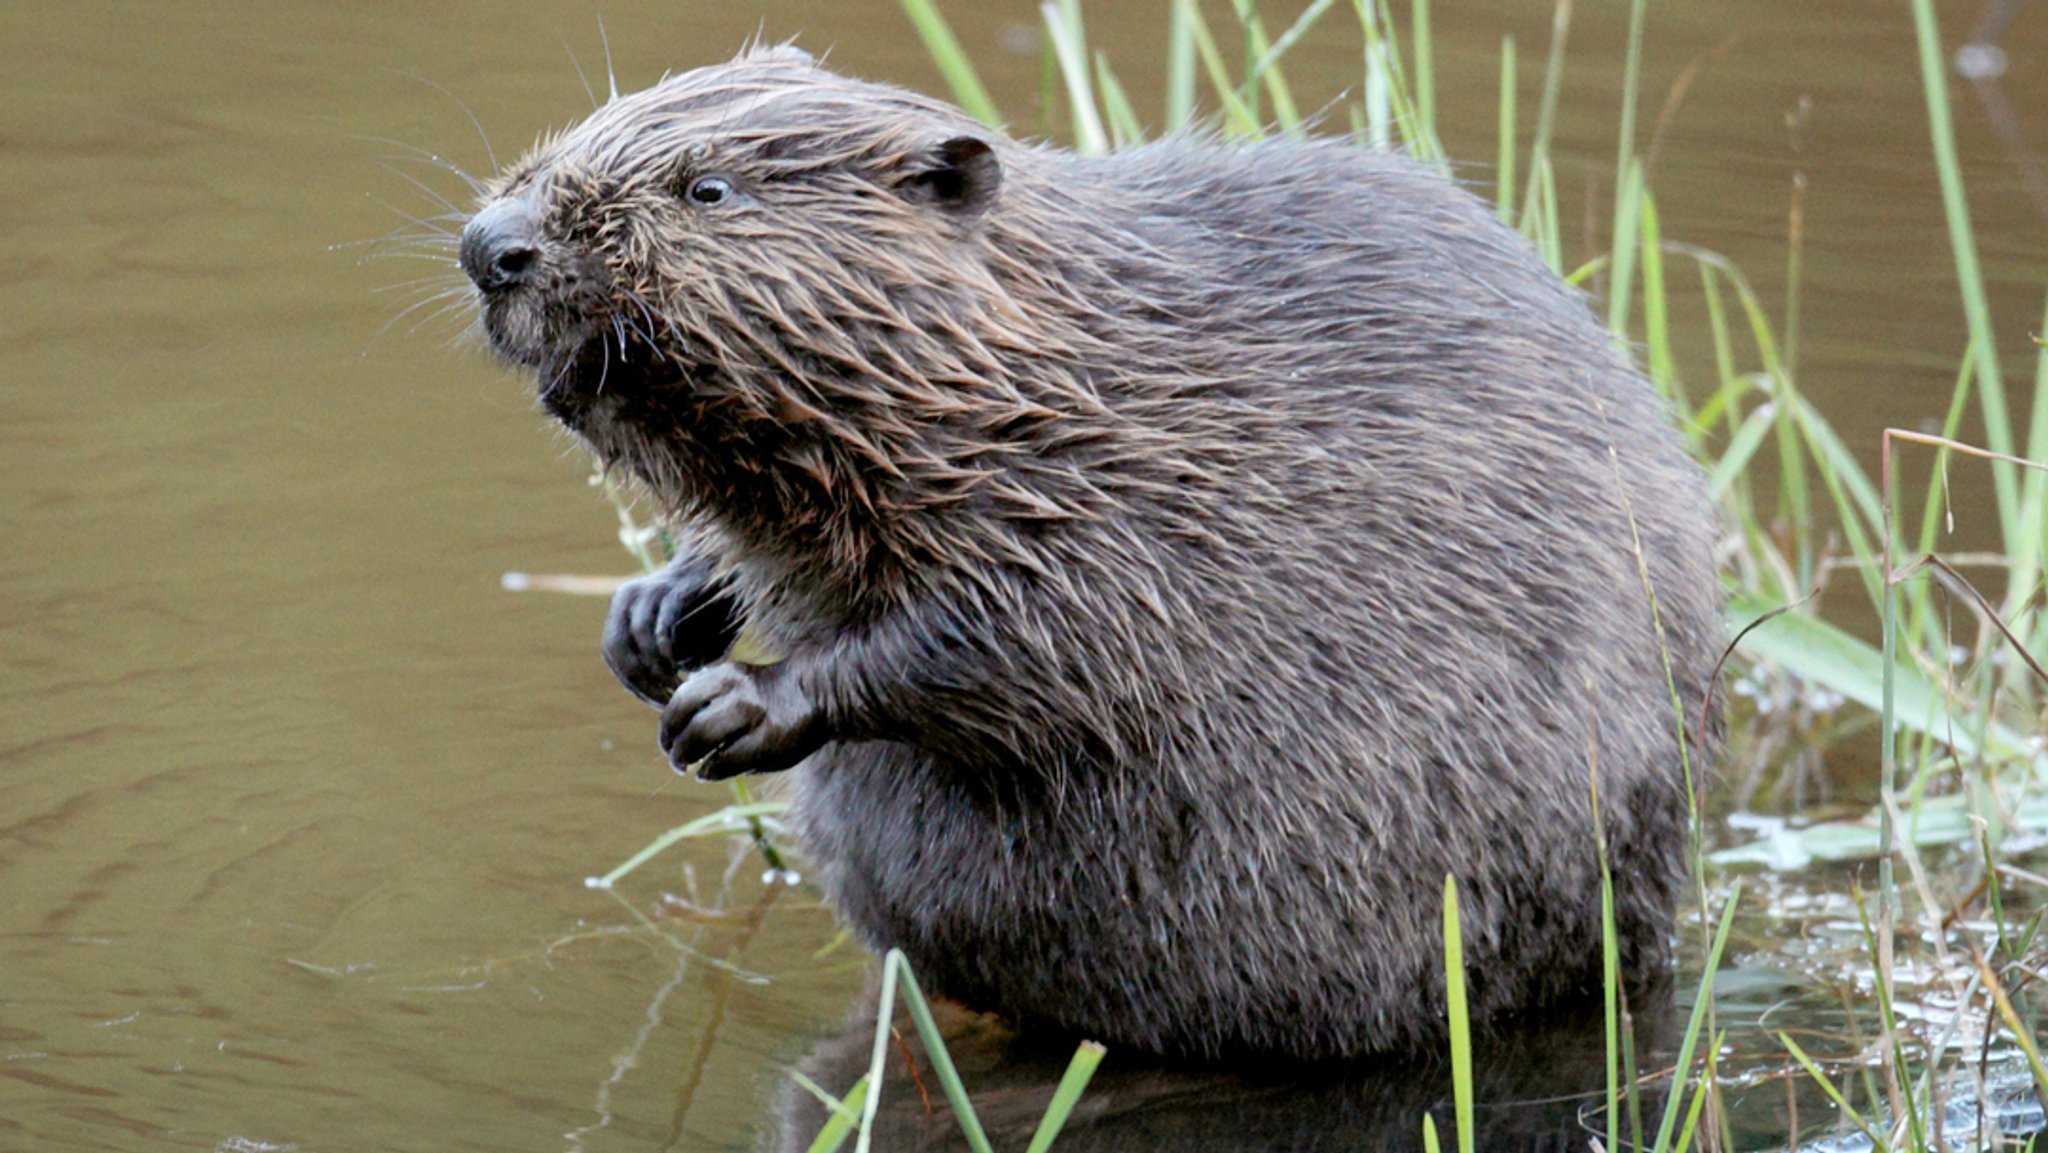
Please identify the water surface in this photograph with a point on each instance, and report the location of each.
(295, 802)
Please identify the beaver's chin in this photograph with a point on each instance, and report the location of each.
(600, 376)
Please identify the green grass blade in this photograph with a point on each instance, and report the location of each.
(1847, 485)
(1238, 118)
(2024, 577)
(1259, 70)
(1069, 1090)
(1622, 258)
(1828, 1086)
(1504, 161)
(1460, 1016)
(1269, 59)
(730, 819)
(952, 60)
(1429, 1141)
(1969, 276)
(1701, 1003)
(1180, 67)
(845, 1113)
(1631, 1076)
(1795, 265)
(1385, 76)
(1070, 45)
(1662, 363)
(1048, 87)
(1424, 49)
(824, 1097)
(1734, 462)
(1553, 83)
(885, 1011)
(1550, 240)
(1932, 507)
(1124, 128)
(1625, 153)
(1692, 1114)
(1733, 386)
(935, 1051)
(1610, 981)
(1801, 430)
(1378, 100)
(1295, 31)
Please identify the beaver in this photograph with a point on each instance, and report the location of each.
(1179, 560)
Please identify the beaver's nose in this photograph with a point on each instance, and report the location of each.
(500, 245)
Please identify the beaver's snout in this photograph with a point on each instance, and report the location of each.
(501, 244)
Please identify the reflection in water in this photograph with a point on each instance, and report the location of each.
(1538, 1088)
(690, 953)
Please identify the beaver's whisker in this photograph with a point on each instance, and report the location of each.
(450, 298)
(581, 76)
(447, 283)
(417, 237)
(490, 153)
(438, 255)
(455, 210)
(452, 304)
(427, 156)
(429, 224)
(647, 333)
(560, 374)
(611, 76)
(676, 333)
(404, 238)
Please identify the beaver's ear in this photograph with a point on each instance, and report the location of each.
(960, 175)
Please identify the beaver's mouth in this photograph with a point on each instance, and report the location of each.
(606, 371)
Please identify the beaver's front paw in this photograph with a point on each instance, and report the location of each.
(736, 718)
(666, 624)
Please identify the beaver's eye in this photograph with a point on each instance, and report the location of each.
(710, 190)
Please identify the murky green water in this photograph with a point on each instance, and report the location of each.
(295, 802)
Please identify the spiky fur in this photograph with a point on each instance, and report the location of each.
(1198, 551)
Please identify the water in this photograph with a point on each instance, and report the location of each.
(295, 802)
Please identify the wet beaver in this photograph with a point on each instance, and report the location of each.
(1180, 559)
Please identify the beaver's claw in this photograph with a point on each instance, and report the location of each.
(730, 718)
(665, 625)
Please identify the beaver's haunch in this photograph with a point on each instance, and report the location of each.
(1183, 558)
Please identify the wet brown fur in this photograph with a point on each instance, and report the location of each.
(1197, 551)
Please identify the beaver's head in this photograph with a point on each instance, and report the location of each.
(847, 327)
(741, 251)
